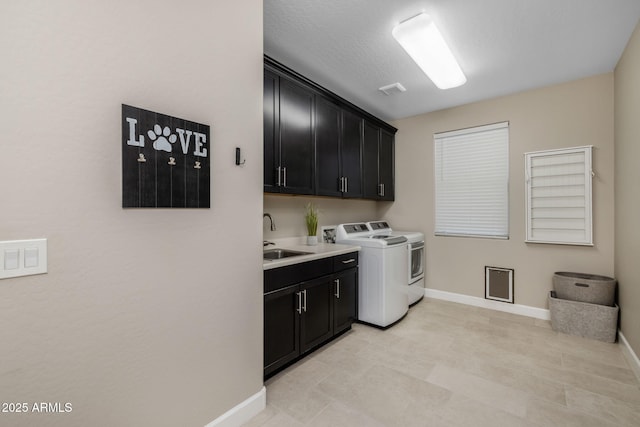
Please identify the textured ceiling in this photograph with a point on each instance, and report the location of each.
(503, 46)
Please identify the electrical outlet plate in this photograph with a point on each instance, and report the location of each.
(23, 258)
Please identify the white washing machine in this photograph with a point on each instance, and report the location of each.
(415, 263)
(382, 274)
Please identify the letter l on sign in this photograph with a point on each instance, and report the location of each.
(132, 134)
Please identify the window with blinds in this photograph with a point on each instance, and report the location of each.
(472, 182)
(558, 194)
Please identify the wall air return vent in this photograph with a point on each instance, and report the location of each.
(392, 89)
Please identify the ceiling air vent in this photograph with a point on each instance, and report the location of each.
(392, 89)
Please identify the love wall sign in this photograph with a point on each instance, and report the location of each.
(165, 161)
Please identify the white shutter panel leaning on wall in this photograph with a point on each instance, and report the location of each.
(472, 182)
(558, 195)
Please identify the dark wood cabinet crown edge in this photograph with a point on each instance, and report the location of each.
(281, 68)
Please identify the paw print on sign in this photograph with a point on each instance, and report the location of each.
(162, 138)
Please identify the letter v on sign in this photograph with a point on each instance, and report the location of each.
(184, 142)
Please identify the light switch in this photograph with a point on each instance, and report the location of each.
(30, 257)
(23, 258)
(11, 259)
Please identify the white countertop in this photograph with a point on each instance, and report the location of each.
(321, 250)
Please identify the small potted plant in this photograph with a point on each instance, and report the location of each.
(311, 219)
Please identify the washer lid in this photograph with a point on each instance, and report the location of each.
(412, 236)
(359, 233)
(390, 240)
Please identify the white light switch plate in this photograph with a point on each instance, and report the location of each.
(23, 258)
(11, 259)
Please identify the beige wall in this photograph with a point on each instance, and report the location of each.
(146, 317)
(627, 178)
(288, 213)
(567, 115)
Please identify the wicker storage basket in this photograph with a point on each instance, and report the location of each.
(595, 321)
(585, 287)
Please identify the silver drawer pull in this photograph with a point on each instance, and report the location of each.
(348, 261)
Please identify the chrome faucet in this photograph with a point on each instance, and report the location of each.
(273, 225)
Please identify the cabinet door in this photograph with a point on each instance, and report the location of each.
(281, 328)
(345, 302)
(386, 165)
(271, 133)
(351, 153)
(296, 138)
(316, 322)
(327, 147)
(370, 161)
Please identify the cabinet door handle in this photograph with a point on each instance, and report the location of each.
(299, 308)
(348, 261)
(304, 304)
(381, 190)
(279, 175)
(346, 184)
(337, 282)
(341, 186)
(284, 177)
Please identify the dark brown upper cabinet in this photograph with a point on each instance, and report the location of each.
(288, 136)
(378, 163)
(351, 154)
(317, 143)
(338, 150)
(271, 130)
(328, 124)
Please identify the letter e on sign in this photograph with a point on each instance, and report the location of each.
(201, 139)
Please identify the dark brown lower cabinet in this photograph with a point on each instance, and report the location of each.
(345, 300)
(282, 327)
(302, 316)
(317, 313)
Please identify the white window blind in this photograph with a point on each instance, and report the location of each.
(472, 182)
(558, 194)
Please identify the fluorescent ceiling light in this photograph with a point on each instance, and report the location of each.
(424, 43)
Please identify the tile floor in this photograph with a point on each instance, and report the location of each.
(449, 364)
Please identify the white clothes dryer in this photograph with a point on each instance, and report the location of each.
(415, 260)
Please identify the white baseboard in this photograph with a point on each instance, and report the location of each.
(242, 412)
(630, 355)
(523, 310)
